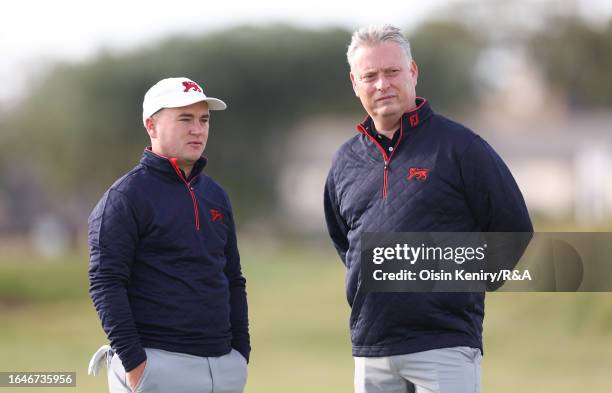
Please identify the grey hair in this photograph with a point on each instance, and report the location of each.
(374, 35)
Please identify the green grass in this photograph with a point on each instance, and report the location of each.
(547, 342)
(536, 342)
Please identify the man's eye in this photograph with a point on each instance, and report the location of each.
(368, 77)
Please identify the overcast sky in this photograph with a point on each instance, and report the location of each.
(34, 32)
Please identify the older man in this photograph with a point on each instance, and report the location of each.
(164, 271)
(411, 170)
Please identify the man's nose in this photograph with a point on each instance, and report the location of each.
(382, 83)
(197, 128)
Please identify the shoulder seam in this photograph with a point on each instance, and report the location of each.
(131, 173)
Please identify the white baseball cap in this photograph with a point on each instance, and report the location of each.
(174, 93)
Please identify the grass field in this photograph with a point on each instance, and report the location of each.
(535, 342)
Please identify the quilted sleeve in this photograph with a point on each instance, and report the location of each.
(491, 192)
(336, 226)
(239, 317)
(113, 237)
(497, 205)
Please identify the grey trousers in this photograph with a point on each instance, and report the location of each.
(446, 370)
(169, 372)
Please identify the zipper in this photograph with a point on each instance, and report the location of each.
(190, 189)
(386, 158)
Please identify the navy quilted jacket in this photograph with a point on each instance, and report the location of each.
(440, 177)
(164, 266)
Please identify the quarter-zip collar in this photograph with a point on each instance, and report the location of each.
(164, 165)
(169, 167)
(412, 119)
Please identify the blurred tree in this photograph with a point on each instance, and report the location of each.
(576, 58)
(81, 124)
(446, 53)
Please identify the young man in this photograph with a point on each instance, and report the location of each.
(164, 270)
(411, 170)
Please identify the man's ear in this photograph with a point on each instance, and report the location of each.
(150, 125)
(414, 70)
(353, 83)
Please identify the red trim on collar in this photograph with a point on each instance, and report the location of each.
(179, 173)
(411, 119)
(418, 106)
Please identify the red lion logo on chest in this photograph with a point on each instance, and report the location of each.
(417, 173)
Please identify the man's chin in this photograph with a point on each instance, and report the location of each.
(194, 156)
(192, 160)
(388, 112)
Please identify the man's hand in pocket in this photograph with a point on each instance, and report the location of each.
(134, 376)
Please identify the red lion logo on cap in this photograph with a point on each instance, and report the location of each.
(191, 85)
